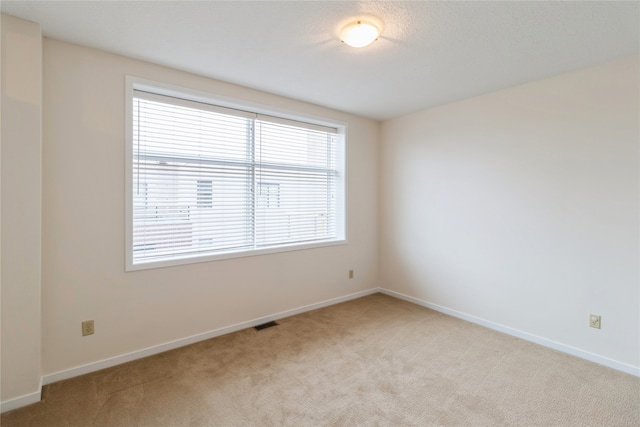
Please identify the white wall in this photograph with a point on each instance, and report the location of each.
(521, 208)
(83, 225)
(20, 199)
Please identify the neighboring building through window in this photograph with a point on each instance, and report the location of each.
(209, 182)
(205, 193)
(269, 194)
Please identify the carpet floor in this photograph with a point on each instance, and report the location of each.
(373, 361)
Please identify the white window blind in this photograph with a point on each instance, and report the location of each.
(209, 180)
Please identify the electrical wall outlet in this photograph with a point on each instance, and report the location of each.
(594, 321)
(87, 328)
(350, 274)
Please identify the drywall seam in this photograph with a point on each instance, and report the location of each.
(610, 363)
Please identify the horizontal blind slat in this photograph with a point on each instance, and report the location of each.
(210, 180)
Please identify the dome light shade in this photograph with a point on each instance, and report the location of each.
(359, 34)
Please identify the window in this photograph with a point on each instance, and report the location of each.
(208, 182)
(205, 193)
(269, 195)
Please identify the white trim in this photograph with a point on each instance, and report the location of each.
(128, 180)
(194, 259)
(149, 351)
(296, 123)
(185, 102)
(35, 397)
(610, 363)
(176, 91)
(20, 401)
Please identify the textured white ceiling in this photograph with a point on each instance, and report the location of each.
(430, 53)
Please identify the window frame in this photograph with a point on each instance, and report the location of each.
(135, 83)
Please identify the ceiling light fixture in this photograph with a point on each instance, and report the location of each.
(359, 33)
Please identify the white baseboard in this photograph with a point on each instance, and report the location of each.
(614, 364)
(139, 354)
(20, 401)
(34, 397)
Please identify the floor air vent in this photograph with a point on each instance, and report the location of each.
(265, 326)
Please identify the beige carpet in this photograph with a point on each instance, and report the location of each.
(375, 361)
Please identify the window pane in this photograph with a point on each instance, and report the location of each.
(166, 130)
(283, 144)
(305, 210)
(191, 182)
